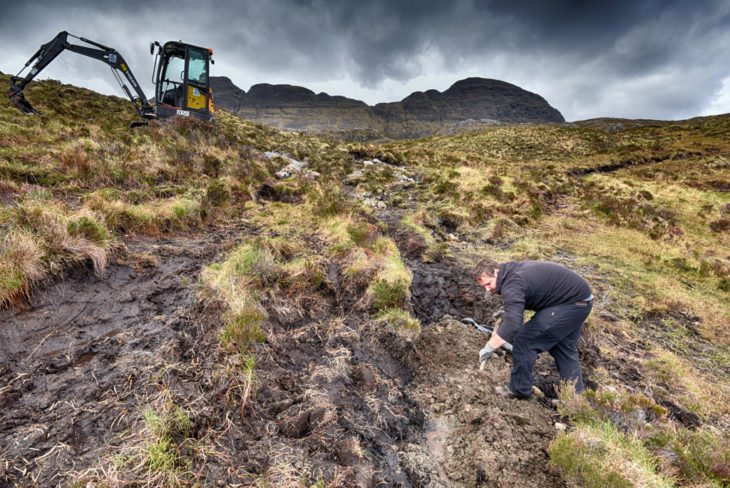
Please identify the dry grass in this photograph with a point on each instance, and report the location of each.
(155, 217)
(41, 239)
(401, 321)
(337, 367)
(21, 266)
(599, 455)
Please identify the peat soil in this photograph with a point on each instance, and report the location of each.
(335, 396)
(79, 357)
(358, 403)
(474, 436)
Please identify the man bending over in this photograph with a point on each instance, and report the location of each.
(562, 301)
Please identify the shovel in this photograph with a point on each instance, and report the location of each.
(484, 329)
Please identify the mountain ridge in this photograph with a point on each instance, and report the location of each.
(419, 114)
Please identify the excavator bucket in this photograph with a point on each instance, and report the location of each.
(18, 99)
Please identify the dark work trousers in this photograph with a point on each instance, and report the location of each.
(556, 330)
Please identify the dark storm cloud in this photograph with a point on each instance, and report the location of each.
(643, 58)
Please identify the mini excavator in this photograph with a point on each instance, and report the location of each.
(180, 75)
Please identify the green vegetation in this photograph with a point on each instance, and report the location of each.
(400, 319)
(80, 166)
(623, 439)
(600, 455)
(239, 281)
(392, 284)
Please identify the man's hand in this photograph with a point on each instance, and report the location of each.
(486, 353)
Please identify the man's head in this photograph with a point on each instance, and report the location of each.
(485, 273)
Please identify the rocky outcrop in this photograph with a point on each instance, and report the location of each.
(226, 94)
(293, 107)
(419, 114)
(279, 96)
(476, 99)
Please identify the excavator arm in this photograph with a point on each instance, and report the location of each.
(48, 52)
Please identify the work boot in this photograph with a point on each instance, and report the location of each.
(506, 392)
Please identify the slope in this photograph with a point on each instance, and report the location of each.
(176, 314)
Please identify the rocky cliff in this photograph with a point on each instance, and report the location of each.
(226, 94)
(419, 114)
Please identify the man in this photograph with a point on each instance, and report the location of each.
(561, 299)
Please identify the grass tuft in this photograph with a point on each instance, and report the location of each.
(598, 456)
(21, 267)
(400, 319)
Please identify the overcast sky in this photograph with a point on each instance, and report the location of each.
(628, 58)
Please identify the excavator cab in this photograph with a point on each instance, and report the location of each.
(182, 80)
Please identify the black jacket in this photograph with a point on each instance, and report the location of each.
(535, 285)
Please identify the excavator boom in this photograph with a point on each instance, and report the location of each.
(49, 51)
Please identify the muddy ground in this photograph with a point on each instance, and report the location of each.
(78, 359)
(336, 397)
(475, 437)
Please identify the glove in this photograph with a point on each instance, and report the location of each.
(507, 347)
(486, 353)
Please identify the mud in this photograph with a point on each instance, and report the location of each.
(474, 437)
(91, 353)
(76, 362)
(446, 289)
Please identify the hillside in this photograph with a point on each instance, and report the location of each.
(473, 100)
(177, 314)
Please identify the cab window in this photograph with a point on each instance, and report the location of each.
(171, 88)
(198, 67)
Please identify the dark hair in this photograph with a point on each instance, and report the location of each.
(486, 266)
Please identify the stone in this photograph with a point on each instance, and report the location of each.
(538, 392)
